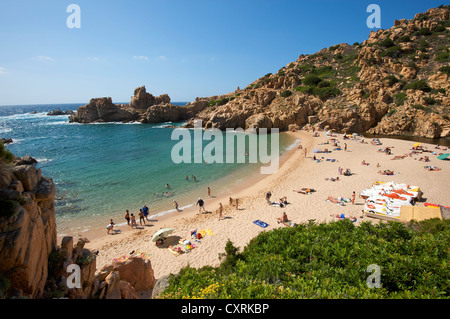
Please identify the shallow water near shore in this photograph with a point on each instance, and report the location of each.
(100, 170)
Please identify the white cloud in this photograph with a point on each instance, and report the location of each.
(2, 70)
(162, 57)
(92, 58)
(43, 58)
(140, 57)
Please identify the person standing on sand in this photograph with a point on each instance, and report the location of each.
(145, 211)
(353, 198)
(268, 195)
(201, 205)
(141, 217)
(175, 204)
(220, 211)
(231, 201)
(127, 217)
(237, 204)
(133, 221)
(209, 191)
(306, 151)
(345, 147)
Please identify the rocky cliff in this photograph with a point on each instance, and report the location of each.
(27, 227)
(396, 83)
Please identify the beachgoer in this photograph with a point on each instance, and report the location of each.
(110, 226)
(175, 204)
(268, 195)
(201, 205)
(127, 217)
(231, 201)
(145, 211)
(353, 198)
(209, 191)
(306, 151)
(167, 186)
(237, 204)
(220, 210)
(283, 219)
(186, 178)
(133, 221)
(141, 217)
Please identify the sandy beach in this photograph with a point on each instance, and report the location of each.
(298, 171)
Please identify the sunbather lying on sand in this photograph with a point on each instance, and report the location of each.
(304, 190)
(342, 216)
(386, 172)
(332, 179)
(432, 168)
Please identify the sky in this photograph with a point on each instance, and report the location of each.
(186, 49)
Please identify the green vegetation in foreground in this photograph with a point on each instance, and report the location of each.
(328, 261)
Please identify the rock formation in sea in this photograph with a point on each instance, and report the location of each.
(33, 265)
(143, 107)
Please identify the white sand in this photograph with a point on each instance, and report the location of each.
(295, 173)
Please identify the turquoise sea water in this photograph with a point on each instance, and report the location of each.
(100, 170)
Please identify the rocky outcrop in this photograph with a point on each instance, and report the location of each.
(103, 110)
(59, 112)
(143, 107)
(126, 279)
(27, 228)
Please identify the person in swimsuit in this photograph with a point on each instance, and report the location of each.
(127, 217)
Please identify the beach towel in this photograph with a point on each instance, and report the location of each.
(206, 232)
(260, 223)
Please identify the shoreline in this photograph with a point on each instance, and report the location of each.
(296, 172)
(190, 209)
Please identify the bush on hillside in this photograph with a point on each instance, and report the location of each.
(328, 261)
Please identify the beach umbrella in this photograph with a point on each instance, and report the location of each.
(417, 144)
(443, 156)
(162, 233)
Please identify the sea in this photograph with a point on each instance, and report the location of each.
(101, 170)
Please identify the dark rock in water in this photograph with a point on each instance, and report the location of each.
(33, 112)
(59, 112)
(25, 160)
(6, 140)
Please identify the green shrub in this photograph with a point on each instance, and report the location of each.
(387, 43)
(445, 69)
(393, 52)
(404, 38)
(418, 85)
(391, 80)
(311, 80)
(286, 93)
(400, 98)
(438, 28)
(5, 154)
(424, 31)
(328, 261)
